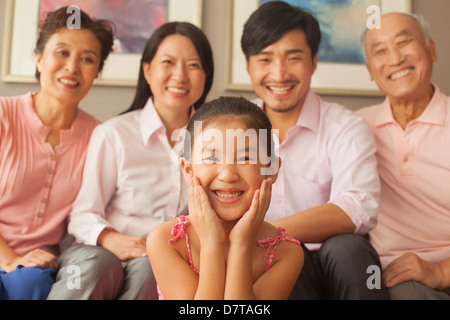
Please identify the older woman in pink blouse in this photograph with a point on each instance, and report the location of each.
(43, 142)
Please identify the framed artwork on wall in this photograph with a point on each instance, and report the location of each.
(135, 21)
(341, 69)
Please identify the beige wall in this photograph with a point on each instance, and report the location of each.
(105, 102)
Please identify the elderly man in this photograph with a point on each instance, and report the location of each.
(412, 133)
(326, 194)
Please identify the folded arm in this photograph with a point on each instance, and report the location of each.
(355, 187)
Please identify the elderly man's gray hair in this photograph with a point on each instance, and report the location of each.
(424, 25)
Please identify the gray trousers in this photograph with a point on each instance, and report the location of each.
(92, 272)
(413, 290)
(338, 271)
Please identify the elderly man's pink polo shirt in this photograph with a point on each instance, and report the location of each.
(38, 183)
(414, 167)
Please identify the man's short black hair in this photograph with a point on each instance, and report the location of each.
(272, 21)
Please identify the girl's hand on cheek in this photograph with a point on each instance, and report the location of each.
(246, 229)
(202, 215)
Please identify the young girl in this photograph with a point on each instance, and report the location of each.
(223, 249)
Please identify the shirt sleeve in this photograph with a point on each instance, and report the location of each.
(356, 185)
(88, 215)
(2, 118)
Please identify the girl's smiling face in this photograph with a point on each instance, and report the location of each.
(225, 160)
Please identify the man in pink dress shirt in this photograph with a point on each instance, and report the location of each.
(412, 133)
(326, 194)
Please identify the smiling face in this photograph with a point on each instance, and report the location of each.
(229, 169)
(69, 65)
(399, 57)
(175, 75)
(281, 73)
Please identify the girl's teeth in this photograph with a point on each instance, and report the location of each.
(228, 195)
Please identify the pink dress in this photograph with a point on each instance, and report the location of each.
(179, 231)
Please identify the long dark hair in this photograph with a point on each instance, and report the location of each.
(201, 44)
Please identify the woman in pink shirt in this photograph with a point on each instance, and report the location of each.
(43, 142)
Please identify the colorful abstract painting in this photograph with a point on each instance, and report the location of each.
(135, 20)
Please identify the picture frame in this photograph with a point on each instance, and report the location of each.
(20, 36)
(328, 77)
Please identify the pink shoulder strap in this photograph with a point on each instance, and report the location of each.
(272, 243)
(179, 231)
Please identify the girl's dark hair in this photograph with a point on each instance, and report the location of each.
(227, 108)
(272, 21)
(56, 20)
(201, 44)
